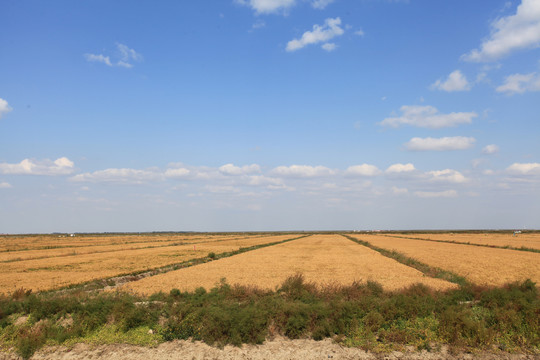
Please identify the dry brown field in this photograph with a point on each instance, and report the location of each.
(115, 245)
(55, 272)
(480, 265)
(323, 259)
(41, 242)
(531, 241)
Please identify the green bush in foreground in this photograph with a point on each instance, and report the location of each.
(361, 315)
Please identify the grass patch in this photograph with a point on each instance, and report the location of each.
(362, 315)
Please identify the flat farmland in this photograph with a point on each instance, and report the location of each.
(531, 240)
(56, 271)
(480, 265)
(323, 259)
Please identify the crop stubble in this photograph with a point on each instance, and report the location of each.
(531, 241)
(480, 265)
(50, 273)
(323, 259)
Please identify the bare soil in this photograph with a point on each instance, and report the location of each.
(278, 349)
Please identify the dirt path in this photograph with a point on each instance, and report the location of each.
(278, 349)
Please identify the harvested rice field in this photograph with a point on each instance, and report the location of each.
(479, 265)
(323, 259)
(54, 271)
(525, 240)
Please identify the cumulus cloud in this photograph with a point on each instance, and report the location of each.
(177, 173)
(4, 107)
(399, 191)
(440, 144)
(511, 33)
(5, 185)
(98, 58)
(230, 169)
(125, 57)
(123, 175)
(490, 149)
(363, 170)
(456, 81)
(520, 83)
(268, 6)
(320, 33)
(524, 169)
(321, 4)
(447, 175)
(436, 194)
(400, 168)
(302, 171)
(329, 47)
(61, 166)
(427, 117)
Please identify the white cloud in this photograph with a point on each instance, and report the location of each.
(440, 144)
(302, 171)
(5, 185)
(428, 117)
(436, 194)
(329, 47)
(510, 33)
(125, 57)
(359, 32)
(524, 169)
(490, 149)
(399, 191)
(268, 6)
(321, 4)
(456, 81)
(177, 173)
(520, 83)
(61, 166)
(118, 175)
(98, 58)
(230, 169)
(400, 168)
(259, 24)
(447, 175)
(4, 107)
(363, 170)
(329, 30)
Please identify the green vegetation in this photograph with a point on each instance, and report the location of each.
(362, 314)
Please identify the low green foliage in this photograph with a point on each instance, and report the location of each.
(362, 314)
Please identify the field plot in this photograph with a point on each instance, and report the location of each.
(54, 272)
(531, 241)
(101, 246)
(480, 265)
(323, 259)
(40, 242)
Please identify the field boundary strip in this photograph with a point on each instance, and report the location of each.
(427, 270)
(118, 280)
(505, 247)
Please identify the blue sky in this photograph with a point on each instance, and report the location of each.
(239, 115)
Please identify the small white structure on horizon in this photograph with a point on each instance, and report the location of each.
(517, 232)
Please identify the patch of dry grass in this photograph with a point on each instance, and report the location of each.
(322, 259)
(480, 265)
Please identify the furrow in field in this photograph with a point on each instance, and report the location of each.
(323, 259)
(44, 274)
(480, 265)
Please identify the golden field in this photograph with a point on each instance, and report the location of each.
(323, 259)
(479, 265)
(526, 240)
(62, 270)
